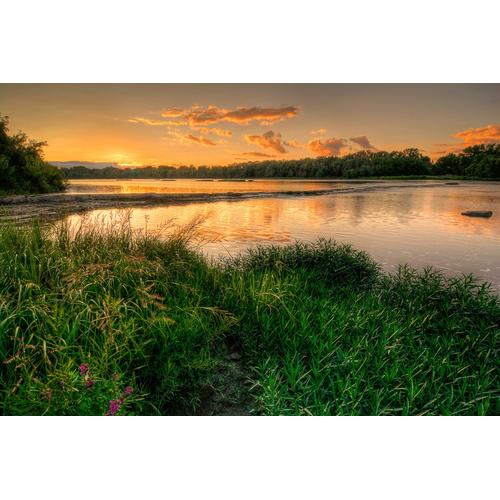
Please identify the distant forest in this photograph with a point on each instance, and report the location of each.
(480, 161)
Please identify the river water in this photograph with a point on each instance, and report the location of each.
(421, 226)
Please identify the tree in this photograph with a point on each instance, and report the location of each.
(22, 168)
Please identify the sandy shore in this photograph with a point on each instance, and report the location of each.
(47, 206)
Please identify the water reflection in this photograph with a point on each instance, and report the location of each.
(421, 226)
(93, 186)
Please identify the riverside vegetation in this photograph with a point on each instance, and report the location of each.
(99, 320)
(22, 168)
(475, 162)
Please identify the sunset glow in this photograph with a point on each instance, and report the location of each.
(173, 124)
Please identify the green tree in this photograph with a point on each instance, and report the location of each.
(22, 168)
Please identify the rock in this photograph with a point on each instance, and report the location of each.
(234, 356)
(478, 213)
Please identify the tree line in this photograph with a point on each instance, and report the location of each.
(23, 169)
(480, 161)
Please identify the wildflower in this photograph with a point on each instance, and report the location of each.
(89, 383)
(128, 390)
(114, 406)
(84, 368)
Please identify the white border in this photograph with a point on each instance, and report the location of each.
(250, 458)
(257, 41)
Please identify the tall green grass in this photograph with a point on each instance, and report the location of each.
(320, 328)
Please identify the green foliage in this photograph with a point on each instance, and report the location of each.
(133, 309)
(22, 168)
(412, 343)
(323, 260)
(481, 161)
(321, 330)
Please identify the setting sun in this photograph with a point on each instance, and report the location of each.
(171, 124)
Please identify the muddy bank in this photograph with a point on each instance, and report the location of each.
(25, 207)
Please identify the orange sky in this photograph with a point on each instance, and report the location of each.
(151, 124)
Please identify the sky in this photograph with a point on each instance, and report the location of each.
(219, 124)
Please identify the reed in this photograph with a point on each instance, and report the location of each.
(97, 319)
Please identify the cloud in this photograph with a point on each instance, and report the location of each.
(269, 140)
(320, 131)
(221, 132)
(490, 134)
(157, 123)
(327, 147)
(147, 121)
(256, 154)
(173, 112)
(362, 141)
(197, 115)
(265, 115)
(199, 140)
(292, 144)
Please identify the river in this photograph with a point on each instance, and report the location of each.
(421, 226)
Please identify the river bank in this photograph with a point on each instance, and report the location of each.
(48, 206)
(102, 321)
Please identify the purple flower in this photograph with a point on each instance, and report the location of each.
(114, 406)
(89, 383)
(84, 368)
(128, 390)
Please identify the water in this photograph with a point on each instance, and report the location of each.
(92, 186)
(420, 226)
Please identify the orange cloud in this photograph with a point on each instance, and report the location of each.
(269, 140)
(197, 115)
(199, 140)
(158, 123)
(222, 132)
(265, 115)
(362, 141)
(173, 112)
(490, 134)
(256, 154)
(216, 131)
(320, 131)
(327, 147)
(292, 144)
(147, 121)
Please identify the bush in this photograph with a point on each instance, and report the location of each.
(327, 260)
(22, 168)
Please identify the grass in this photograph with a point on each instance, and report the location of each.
(90, 313)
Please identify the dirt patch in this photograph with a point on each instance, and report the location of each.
(229, 392)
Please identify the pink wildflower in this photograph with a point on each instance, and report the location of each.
(114, 406)
(84, 368)
(128, 390)
(89, 383)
